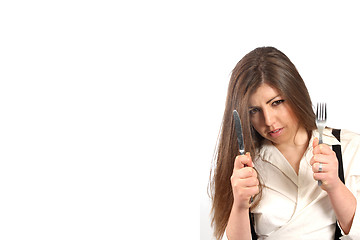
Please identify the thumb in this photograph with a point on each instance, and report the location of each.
(315, 142)
(243, 161)
(249, 162)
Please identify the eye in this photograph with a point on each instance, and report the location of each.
(278, 102)
(252, 111)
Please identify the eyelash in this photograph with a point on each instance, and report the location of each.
(275, 103)
(253, 111)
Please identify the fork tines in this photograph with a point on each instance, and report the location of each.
(321, 112)
(321, 116)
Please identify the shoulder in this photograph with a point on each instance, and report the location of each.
(349, 140)
(348, 136)
(264, 151)
(350, 146)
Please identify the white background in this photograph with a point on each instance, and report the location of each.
(318, 37)
(110, 111)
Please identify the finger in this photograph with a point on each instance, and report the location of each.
(316, 160)
(248, 192)
(327, 159)
(316, 167)
(320, 176)
(245, 172)
(249, 182)
(253, 190)
(325, 149)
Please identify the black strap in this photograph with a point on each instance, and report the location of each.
(337, 150)
(253, 233)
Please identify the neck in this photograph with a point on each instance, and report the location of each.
(300, 140)
(294, 150)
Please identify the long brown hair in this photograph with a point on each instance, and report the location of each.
(262, 65)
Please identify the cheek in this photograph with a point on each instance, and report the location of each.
(256, 123)
(290, 115)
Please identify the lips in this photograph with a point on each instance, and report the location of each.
(275, 133)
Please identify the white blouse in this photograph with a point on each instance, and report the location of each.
(294, 206)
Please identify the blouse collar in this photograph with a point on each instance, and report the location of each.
(271, 154)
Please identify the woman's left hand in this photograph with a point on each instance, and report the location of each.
(325, 156)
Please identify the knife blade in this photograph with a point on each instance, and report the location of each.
(240, 137)
(239, 132)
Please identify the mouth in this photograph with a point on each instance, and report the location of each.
(275, 133)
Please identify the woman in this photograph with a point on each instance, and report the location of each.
(284, 160)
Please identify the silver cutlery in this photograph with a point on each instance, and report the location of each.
(321, 116)
(239, 134)
(240, 137)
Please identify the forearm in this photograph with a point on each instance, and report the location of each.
(344, 205)
(238, 227)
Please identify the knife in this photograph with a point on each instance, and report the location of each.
(239, 132)
(240, 137)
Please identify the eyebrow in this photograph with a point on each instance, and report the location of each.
(272, 99)
(267, 101)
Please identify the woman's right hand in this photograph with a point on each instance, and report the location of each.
(244, 181)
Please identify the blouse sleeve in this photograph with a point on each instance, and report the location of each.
(354, 233)
(355, 228)
(352, 181)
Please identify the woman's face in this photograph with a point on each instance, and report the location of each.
(271, 115)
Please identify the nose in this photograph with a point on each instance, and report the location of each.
(268, 117)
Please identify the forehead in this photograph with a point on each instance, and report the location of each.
(263, 94)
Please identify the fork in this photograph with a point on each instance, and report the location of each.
(321, 119)
(320, 123)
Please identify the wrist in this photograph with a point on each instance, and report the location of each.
(336, 187)
(241, 206)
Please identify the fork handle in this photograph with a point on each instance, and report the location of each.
(319, 181)
(320, 142)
